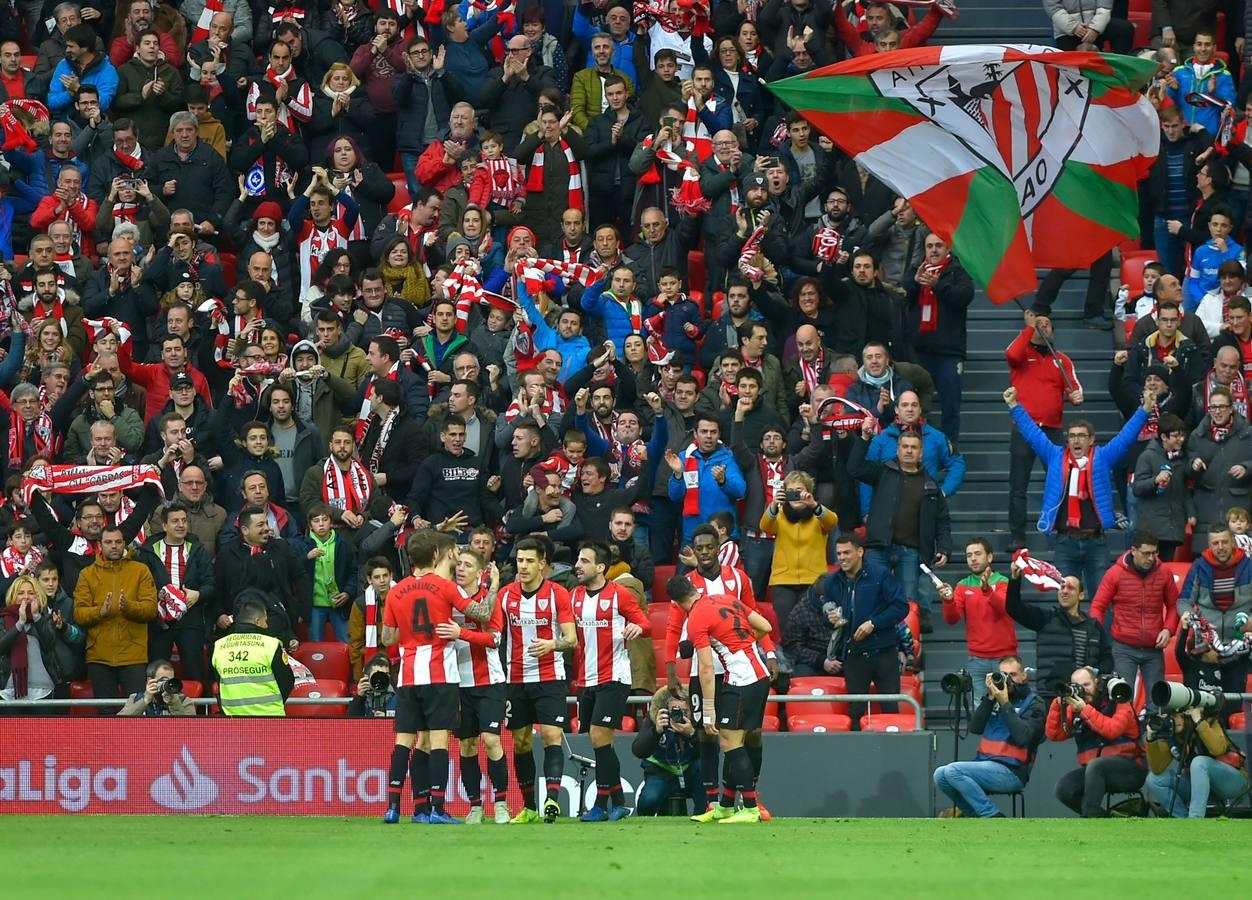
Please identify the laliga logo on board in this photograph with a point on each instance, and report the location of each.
(186, 788)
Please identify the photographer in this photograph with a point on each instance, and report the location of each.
(667, 744)
(1106, 733)
(1192, 756)
(1010, 720)
(162, 696)
(375, 693)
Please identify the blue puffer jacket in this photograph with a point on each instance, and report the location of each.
(1202, 276)
(1218, 83)
(874, 595)
(714, 497)
(1104, 459)
(600, 302)
(937, 456)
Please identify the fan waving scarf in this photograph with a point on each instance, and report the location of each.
(1020, 157)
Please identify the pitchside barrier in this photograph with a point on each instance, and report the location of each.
(338, 766)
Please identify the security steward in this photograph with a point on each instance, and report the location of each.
(1110, 751)
(253, 674)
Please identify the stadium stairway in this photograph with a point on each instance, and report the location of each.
(996, 22)
(981, 505)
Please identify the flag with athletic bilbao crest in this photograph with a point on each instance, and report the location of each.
(1019, 156)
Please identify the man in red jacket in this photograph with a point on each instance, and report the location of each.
(979, 598)
(1144, 598)
(1110, 751)
(1044, 379)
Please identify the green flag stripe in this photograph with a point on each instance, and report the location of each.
(1097, 197)
(989, 221)
(1128, 72)
(837, 94)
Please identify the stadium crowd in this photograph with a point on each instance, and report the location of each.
(300, 280)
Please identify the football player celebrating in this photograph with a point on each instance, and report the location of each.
(607, 616)
(541, 628)
(719, 625)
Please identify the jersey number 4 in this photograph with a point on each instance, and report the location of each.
(421, 618)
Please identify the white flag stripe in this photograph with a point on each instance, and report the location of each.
(1110, 134)
(896, 160)
(1017, 120)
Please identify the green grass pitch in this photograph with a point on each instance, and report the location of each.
(208, 857)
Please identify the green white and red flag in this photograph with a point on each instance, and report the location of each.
(1020, 157)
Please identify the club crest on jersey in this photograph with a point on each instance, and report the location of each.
(542, 604)
(604, 604)
(1022, 117)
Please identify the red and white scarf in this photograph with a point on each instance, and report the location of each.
(771, 477)
(371, 618)
(695, 134)
(298, 107)
(1077, 487)
(47, 440)
(827, 244)
(691, 478)
(534, 180)
(384, 435)
(13, 563)
(363, 417)
(132, 162)
(926, 298)
(504, 177)
(16, 137)
(201, 32)
(750, 248)
(553, 404)
(534, 272)
(1041, 574)
(465, 290)
(346, 491)
(72, 479)
(812, 372)
(1238, 392)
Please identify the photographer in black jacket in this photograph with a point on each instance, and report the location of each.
(374, 701)
(667, 744)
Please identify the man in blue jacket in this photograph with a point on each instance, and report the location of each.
(82, 65)
(1206, 74)
(566, 338)
(939, 459)
(871, 600)
(704, 478)
(1078, 489)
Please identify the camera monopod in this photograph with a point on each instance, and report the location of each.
(585, 767)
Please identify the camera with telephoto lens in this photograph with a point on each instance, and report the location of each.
(380, 681)
(958, 682)
(1170, 696)
(1066, 689)
(170, 685)
(1116, 688)
(999, 680)
(677, 715)
(1161, 726)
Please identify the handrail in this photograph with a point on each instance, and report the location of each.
(638, 700)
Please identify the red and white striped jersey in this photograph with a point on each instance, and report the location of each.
(729, 581)
(479, 666)
(535, 618)
(415, 606)
(719, 622)
(601, 619)
(313, 243)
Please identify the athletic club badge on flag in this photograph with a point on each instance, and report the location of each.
(1042, 575)
(254, 181)
(1032, 155)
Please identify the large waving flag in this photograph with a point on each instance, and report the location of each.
(1018, 156)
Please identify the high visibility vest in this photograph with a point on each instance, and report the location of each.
(247, 685)
(997, 744)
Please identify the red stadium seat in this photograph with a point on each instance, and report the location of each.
(772, 706)
(193, 689)
(769, 723)
(28, 61)
(819, 724)
(715, 310)
(1132, 269)
(229, 263)
(400, 199)
(658, 615)
(82, 690)
(1238, 722)
(818, 686)
(629, 725)
(326, 660)
(767, 611)
(913, 620)
(887, 722)
(1179, 569)
(696, 276)
(912, 685)
(658, 650)
(319, 688)
(1142, 20)
(659, 580)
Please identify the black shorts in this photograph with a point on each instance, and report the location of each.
(602, 705)
(696, 694)
(482, 711)
(426, 707)
(742, 708)
(540, 703)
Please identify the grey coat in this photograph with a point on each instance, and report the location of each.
(1162, 513)
(1216, 491)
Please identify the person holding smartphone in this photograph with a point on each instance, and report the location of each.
(798, 525)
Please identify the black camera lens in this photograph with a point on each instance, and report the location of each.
(380, 681)
(173, 685)
(677, 715)
(998, 679)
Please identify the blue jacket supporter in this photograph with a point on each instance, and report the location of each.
(874, 595)
(714, 497)
(1217, 82)
(1053, 456)
(677, 316)
(1197, 592)
(34, 168)
(1202, 276)
(623, 51)
(573, 350)
(937, 456)
(600, 302)
(100, 73)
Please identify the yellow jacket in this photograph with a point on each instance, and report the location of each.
(799, 547)
(585, 95)
(118, 637)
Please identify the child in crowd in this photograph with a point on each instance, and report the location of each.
(20, 555)
(567, 462)
(678, 324)
(1135, 308)
(498, 184)
(1208, 257)
(728, 552)
(333, 571)
(1238, 520)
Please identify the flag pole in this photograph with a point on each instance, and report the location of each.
(1069, 387)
